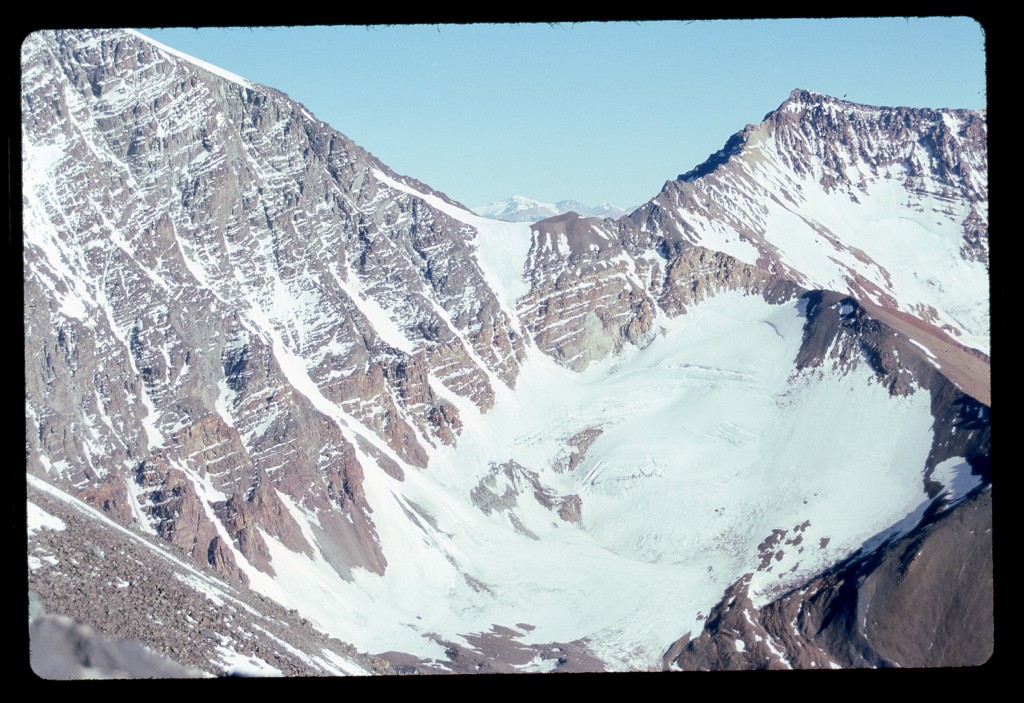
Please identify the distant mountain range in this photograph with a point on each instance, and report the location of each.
(519, 208)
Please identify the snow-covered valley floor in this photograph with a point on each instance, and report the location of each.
(709, 442)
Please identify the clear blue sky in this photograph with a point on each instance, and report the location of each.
(596, 112)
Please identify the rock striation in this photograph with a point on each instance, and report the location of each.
(212, 267)
(806, 194)
(242, 330)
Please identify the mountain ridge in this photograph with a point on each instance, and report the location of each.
(789, 193)
(518, 208)
(339, 368)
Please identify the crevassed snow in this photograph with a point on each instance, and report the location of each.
(708, 445)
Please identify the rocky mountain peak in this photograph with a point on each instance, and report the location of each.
(816, 167)
(801, 97)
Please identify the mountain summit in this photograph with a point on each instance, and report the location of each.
(888, 204)
(301, 400)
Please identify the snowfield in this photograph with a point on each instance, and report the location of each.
(709, 442)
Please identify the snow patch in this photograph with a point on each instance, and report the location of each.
(39, 519)
(239, 664)
(955, 476)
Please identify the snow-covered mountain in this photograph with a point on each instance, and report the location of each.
(465, 444)
(888, 204)
(519, 208)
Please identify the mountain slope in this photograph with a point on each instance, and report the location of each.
(886, 204)
(134, 590)
(463, 443)
(187, 268)
(899, 606)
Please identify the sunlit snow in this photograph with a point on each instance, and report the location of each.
(709, 443)
(956, 478)
(39, 519)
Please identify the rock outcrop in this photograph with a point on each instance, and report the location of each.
(233, 301)
(924, 599)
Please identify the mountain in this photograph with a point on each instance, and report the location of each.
(462, 444)
(522, 209)
(887, 204)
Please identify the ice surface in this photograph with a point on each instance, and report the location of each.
(709, 443)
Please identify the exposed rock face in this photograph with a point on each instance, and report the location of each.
(922, 600)
(734, 640)
(580, 443)
(500, 489)
(585, 300)
(697, 273)
(212, 267)
(498, 651)
(598, 285)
